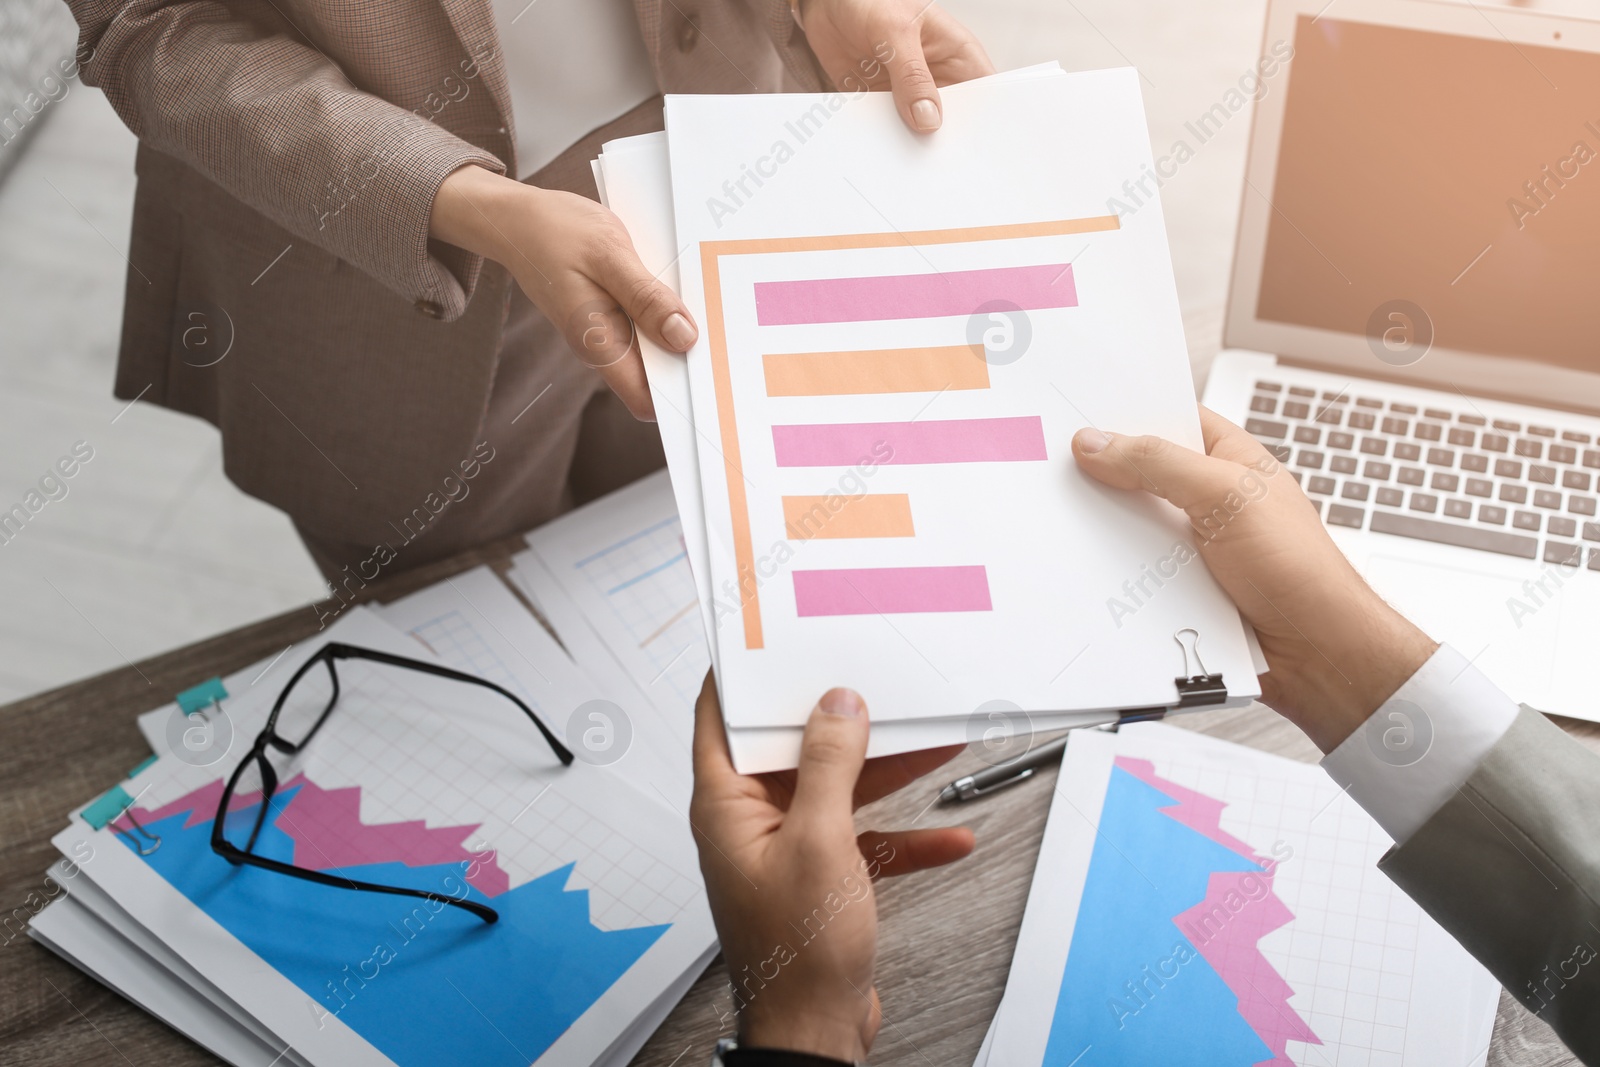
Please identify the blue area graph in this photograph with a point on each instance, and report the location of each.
(424, 983)
(1135, 990)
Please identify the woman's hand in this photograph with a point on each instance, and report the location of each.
(1336, 650)
(575, 261)
(909, 46)
(790, 880)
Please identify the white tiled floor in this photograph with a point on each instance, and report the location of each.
(153, 547)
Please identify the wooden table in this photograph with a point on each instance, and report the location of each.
(946, 942)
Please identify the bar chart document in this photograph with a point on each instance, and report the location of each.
(636, 184)
(899, 336)
(1198, 902)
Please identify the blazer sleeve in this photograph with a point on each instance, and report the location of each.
(239, 95)
(790, 41)
(1510, 866)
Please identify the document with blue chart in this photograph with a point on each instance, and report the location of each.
(420, 782)
(1198, 902)
(118, 957)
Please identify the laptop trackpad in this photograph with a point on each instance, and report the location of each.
(1505, 623)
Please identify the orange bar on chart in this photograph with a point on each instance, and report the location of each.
(889, 370)
(870, 515)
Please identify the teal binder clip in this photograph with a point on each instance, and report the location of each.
(208, 694)
(115, 803)
(112, 803)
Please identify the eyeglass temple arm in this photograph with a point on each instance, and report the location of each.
(338, 650)
(230, 851)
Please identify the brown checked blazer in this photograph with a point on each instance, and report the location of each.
(282, 284)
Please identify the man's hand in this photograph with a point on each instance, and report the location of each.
(576, 263)
(790, 881)
(909, 46)
(1336, 650)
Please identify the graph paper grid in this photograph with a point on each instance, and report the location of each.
(1350, 951)
(458, 643)
(439, 772)
(645, 581)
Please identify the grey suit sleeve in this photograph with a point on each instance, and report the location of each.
(1510, 866)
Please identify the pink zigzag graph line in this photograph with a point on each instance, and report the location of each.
(328, 834)
(1231, 943)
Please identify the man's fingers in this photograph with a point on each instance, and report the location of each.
(1227, 440)
(897, 852)
(1215, 429)
(869, 1032)
(886, 774)
(831, 754)
(712, 761)
(1155, 465)
(916, 95)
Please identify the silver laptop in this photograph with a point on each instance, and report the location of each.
(1414, 320)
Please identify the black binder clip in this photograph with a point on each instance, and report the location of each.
(144, 842)
(115, 804)
(1200, 687)
(1196, 688)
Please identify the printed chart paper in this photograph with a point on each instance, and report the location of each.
(886, 387)
(474, 623)
(615, 629)
(634, 177)
(420, 784)
(1198, 902)
(72, 931)
(107, 935)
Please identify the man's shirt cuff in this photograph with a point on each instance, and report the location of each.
(1423, 744)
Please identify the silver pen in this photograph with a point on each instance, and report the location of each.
(992, 779)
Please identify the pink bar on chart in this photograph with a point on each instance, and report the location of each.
(913, 296)
(891, 590)
(844, 444)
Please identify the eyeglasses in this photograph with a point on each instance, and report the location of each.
(301, 709)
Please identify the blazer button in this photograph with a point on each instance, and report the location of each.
(688, 35)
(429, 308)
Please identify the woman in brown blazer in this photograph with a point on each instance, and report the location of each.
(333, 262)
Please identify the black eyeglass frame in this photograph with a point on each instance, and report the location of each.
(328, 655)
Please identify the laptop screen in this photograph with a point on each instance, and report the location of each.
(1458, 175)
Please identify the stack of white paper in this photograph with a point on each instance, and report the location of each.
(415, 781)
(869, 445)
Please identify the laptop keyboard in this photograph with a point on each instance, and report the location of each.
(1435, 473)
